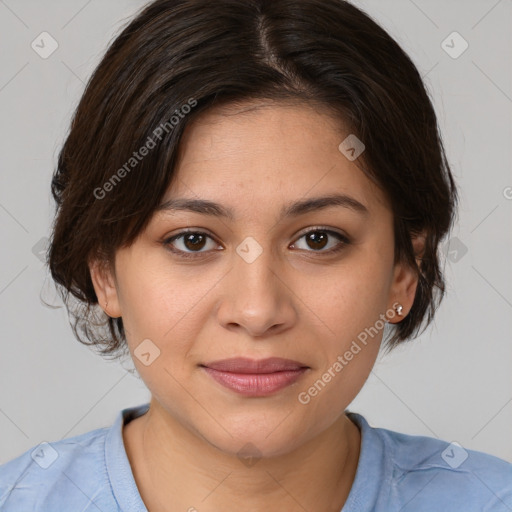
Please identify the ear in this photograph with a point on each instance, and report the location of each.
(103, 280)
(405, 279)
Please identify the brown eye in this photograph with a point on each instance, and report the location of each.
(187, 243)
(318, 239)
(194, 241)
(190, 244)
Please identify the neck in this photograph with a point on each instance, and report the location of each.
(175, 469)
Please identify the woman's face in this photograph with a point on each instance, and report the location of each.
(274, 279)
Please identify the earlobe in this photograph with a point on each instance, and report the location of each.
(105, 288)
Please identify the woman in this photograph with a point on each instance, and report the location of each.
(254, 193)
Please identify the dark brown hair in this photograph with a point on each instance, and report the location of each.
(179, 58)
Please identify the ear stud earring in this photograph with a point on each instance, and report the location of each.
(399, 309)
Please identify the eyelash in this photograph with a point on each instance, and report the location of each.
(344, 241)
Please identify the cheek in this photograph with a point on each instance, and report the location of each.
(170, 306)
(159, 304)
(347, 353)
(351, 298)
(349, 302)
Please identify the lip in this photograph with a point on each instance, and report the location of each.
(253, 377)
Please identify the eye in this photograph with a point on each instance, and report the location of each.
(318, 239)
(189, 243)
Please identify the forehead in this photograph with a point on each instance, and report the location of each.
(264, 155)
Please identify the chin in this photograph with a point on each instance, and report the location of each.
(255, 438)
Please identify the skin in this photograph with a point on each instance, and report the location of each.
(291, 301)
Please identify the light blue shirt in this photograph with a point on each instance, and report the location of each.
(396, 472)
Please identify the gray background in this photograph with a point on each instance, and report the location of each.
(454, 382)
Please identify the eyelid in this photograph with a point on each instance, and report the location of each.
(321, 228)
(196, 231)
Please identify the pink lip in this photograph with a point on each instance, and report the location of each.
(252, 377)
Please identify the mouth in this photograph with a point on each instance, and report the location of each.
(252, 377)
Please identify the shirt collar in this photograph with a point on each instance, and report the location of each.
(372, 476)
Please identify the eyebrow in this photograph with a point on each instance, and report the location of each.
(206, 207)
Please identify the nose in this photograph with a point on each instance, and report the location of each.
(256, 297)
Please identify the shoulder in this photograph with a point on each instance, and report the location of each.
(53, 475)
(424, 473)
